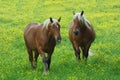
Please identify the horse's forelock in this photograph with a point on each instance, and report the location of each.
(80, 18)
(46, 23)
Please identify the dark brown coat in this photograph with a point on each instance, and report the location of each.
(81, 34)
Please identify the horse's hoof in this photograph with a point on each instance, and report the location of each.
(33, 67)
(46, 72)
(78, 60)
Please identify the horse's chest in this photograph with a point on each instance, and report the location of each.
(50, 46)
(83, 41)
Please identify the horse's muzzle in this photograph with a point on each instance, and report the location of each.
(58, 39)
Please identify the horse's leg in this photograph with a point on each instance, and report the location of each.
(45, 64)
(44, 59)
(85, 54)
(77, 51)
(30, 57)
(49, 60)
(36, 57)
(85, 51)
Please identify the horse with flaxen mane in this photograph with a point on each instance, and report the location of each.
(42, 38)
(81, 34)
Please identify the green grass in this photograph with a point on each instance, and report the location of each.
(103, 65)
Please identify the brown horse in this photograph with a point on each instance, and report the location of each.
(81, 34)
(42, 38)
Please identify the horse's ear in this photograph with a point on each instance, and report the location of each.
(82, 13)
(51, 20)
(73, 12)
(59, 19)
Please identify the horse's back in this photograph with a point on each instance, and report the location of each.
(30, 34)
(30, 27)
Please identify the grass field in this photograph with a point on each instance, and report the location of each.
(104, 64)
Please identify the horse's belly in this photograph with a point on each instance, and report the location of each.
(31, 45)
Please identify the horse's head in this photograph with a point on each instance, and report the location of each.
(78, 21)
(54, 28)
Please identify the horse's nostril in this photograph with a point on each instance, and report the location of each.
(58, 39)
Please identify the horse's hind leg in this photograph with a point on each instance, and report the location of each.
(36, 57)
(30, 57)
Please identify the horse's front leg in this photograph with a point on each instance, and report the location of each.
(77, 51)
(85, 50)
(44, 59)
(49, 60)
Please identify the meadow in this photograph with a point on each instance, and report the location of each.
(103, 64)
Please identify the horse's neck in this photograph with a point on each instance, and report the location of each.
(85, 25)
(47, 33)
(83, 28)
(50, 38)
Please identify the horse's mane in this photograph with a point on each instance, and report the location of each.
(47, 22)
(82, 19)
